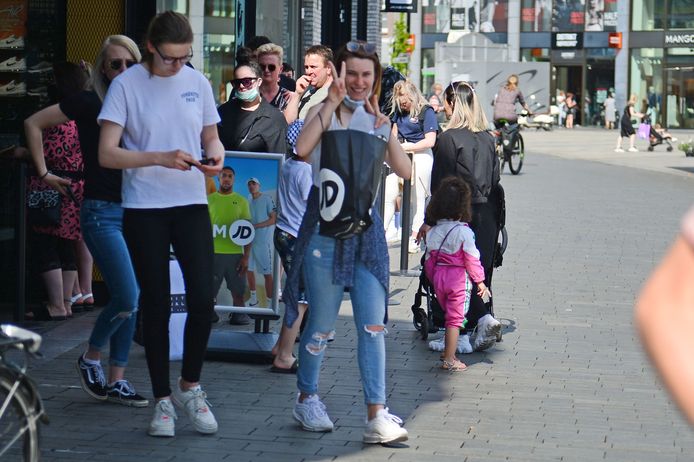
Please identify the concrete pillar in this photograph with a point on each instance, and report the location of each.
(415, 67)
(514, 12)
(196, 16)
(621, 65)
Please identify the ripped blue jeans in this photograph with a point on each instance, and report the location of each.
(324, 298)
(102, 227)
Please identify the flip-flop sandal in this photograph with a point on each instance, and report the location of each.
(455, 366)
(284, 370)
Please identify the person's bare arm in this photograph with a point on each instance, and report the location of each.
(665, 319)
(428, 142)
(213, 150)
(33, 129)
(271, 219)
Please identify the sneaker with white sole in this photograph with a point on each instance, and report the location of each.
(412, 246)
(437, 344)
(384, 428)
(487, 330)
(311, 415)
(123, 392)
(464, 347)
(194, 402)
(633, 150)
(163, 421)
(13, 64)
(12, 41)
(253, 301)
(92, 379)
(619, 150)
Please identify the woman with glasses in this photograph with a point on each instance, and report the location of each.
(270, 62)
(101, 218)
(154, 120)
(359, 263)
(467, 150)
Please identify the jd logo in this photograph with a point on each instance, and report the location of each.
(240, 232)
(332, 194)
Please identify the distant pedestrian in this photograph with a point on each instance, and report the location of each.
(155, 119)
(610, 111)
(625, 125)
(505, 102)
(452, 261)
(571, 110)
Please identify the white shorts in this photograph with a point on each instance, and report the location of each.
(261, 256)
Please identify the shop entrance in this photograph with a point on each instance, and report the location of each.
(599, 82)
(680, 96)
(570, 80)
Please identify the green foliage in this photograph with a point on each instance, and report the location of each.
(400, 37)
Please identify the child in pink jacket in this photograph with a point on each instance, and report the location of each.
(452, 261)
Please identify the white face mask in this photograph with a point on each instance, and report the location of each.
(248, 95)
(352, 104)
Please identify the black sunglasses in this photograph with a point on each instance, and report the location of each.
(171, 59)
(353, 47)
(269, 67)
(117, 64)
(244, 82)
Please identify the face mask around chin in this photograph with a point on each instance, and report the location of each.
(248, 95)
(352, 104)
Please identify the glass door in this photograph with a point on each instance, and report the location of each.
(680, 97)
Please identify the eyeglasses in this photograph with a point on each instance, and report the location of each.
(269, 67)
(117, 64)
(354, 46)
(244, 82)
(172, 59)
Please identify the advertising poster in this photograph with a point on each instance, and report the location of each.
(568, 15)
(13, 17)
(595, 15)
(240, 209)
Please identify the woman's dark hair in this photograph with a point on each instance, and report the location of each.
(70, 78)
(451, 201)
(253, 65)
(167, 27)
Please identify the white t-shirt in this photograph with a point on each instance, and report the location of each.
(161, 114)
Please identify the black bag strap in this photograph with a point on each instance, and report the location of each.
(446, 236)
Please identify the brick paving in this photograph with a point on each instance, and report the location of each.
(569, 382)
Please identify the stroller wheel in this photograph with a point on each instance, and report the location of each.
(650, 148)
(669, 149)
(419, 318)
(425, 328)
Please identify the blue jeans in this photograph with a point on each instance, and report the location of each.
(324, 298)
(102, 227)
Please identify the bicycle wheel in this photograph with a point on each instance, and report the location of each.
(502, 158)
(515, 157)
(19, 432)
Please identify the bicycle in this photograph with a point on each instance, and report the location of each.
(510, 146)
(21, 408)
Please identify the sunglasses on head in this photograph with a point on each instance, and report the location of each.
(354, 46)
(117, 64)
(269, 67)
(244, 82)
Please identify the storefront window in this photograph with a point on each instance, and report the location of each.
(218, 62)
(220, 8)
(648, 15)
(534, 54)
(679, 76)
(428, 70)
(179, 6)
(536, 15)
(681, 14)
(442, 16)
(647, 80)
(568, 15)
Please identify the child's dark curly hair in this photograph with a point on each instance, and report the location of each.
(451, 201)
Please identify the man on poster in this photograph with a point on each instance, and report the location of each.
(232, 233)
(264, 215)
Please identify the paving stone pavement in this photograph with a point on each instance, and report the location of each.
(569, 382)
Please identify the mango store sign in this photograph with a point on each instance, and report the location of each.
(678, 39)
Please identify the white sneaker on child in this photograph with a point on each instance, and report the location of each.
(384, 428)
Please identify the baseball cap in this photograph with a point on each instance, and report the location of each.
(254, 180)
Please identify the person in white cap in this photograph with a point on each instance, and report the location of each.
(263, 217)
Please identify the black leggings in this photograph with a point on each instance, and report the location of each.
(485, 225)
(53, 252)
(148, 233)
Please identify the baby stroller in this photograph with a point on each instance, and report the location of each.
(431, 318)
(655, 138)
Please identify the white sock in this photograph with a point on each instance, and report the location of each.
(253, 294)
(94, 362)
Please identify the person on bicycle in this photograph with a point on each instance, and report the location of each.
(505, 103)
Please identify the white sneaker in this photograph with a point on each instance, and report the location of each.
(437, 345)
(633, 150)
(311, 415)
(413, 247)
(393, 235)
(487, 330)
(619, 150)
(464, 346)
(162, 423)
(12, 64)
(194, 402)
(13, 89)
(384, 428)
(673, 139)
(253, 301)
(12, 41)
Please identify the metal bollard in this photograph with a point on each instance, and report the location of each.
(405, 226)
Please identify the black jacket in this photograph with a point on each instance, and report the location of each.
(262, 130)
(470, 156)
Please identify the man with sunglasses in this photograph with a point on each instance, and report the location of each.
(312, 87)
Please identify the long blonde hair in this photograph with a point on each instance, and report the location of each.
(467, 112)
(407, 88)
(98, 81)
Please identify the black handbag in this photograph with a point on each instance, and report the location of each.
(43, 207)
(350, 174)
